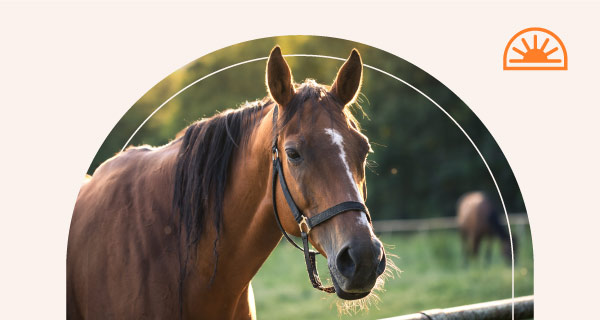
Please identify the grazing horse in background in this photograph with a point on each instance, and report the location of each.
(478, 219)
(180, 230)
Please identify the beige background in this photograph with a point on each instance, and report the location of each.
(54, 57)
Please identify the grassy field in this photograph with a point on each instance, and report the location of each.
(434, 275)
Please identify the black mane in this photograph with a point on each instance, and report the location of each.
(203, 164)
(206, 150)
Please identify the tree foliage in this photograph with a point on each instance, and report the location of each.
(422, 162)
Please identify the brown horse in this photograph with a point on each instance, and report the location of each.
(478, 219)
(179, 231)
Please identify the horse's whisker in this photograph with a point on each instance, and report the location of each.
(352, 307)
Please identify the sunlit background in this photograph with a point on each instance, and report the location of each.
(422, 163)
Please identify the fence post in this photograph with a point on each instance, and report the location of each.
(492, 310)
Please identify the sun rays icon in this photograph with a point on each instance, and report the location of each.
(535, 55)
(526, 55)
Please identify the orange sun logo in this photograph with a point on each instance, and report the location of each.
(522, 51)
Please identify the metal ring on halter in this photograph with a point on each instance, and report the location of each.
(304, 222)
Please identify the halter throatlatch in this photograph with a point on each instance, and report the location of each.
(305, 223)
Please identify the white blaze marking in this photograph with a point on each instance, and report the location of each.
(338, 140)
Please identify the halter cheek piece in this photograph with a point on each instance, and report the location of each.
(305, 223)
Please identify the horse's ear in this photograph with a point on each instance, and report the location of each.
(349, 78)
(279, 78)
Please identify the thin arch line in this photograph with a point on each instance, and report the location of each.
(512, 253)
(182, 90)
(389, 75)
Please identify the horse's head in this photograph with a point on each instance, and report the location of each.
(324, 162)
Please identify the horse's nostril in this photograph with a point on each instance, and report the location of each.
(344, 263)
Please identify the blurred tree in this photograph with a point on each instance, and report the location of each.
(422, 161)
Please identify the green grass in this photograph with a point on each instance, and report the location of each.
(434, 276)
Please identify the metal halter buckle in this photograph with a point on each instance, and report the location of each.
(304, 222)
(275, 154)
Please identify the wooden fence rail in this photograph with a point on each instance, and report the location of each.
(493, 310)
(441, 223)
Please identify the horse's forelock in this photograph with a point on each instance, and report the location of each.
(323, 99)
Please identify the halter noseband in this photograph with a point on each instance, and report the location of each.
(305, 223)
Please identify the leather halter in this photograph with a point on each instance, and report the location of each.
(305, 223)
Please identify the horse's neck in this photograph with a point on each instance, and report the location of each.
(249, 232)
(248, 215)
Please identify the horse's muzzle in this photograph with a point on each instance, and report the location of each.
(355, 268)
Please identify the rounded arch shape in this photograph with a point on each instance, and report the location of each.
(424, 137)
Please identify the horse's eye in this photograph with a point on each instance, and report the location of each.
(292, 154)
